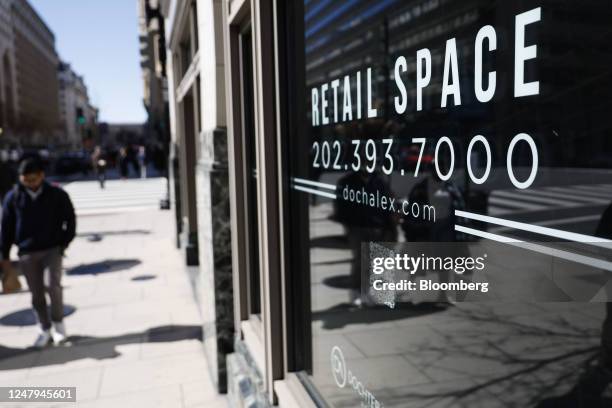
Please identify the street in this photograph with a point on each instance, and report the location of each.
(134, 327)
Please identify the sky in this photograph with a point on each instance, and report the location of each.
(100, 41)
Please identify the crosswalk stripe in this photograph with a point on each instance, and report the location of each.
(516, 204)
(118, 203)
(571, 191)
(111, 198)
(580, 200)
(117, 200)
(522, 196)
(556, 222)
(118, 196)
(596, 187)
(112, 210)
(107, 190)
(493, 210)
(511, 201)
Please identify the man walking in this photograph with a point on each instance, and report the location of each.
(39, 218)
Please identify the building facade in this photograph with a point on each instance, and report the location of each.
(78, 116)
(113, 136)
(199, 166)
(311, 139)
(8, 95)
(153, 64)
(43, 101)
(37, 83)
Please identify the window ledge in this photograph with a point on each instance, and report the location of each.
(252, 339)
(291, 393)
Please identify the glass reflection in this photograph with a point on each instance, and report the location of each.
(440, 352)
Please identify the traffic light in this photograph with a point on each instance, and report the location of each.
(80, 117)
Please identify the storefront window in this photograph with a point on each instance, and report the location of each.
(470, 123)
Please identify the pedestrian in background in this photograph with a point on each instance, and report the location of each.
(142, 161)
(123, 162)
(39, 219)
(99, 164)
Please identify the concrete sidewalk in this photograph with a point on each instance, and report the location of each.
(135, 328)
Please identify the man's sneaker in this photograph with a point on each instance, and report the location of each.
(44, 337)
(58, 332)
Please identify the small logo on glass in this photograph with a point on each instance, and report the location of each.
(338, 366)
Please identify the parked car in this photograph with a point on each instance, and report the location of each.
(408, 155)
(73, 162)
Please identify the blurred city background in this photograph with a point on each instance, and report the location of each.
(79, 76)
(83, 90)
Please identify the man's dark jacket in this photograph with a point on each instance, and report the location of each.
(36, 225)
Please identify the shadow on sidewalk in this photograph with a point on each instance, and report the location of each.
(330, 242)
(99, 235)
(339, 281)
(99, 348)
(26, 317)
(587, 393)
(141, 278)
(346, 314)
(106, 266)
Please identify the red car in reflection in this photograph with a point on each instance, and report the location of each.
(408, 156)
